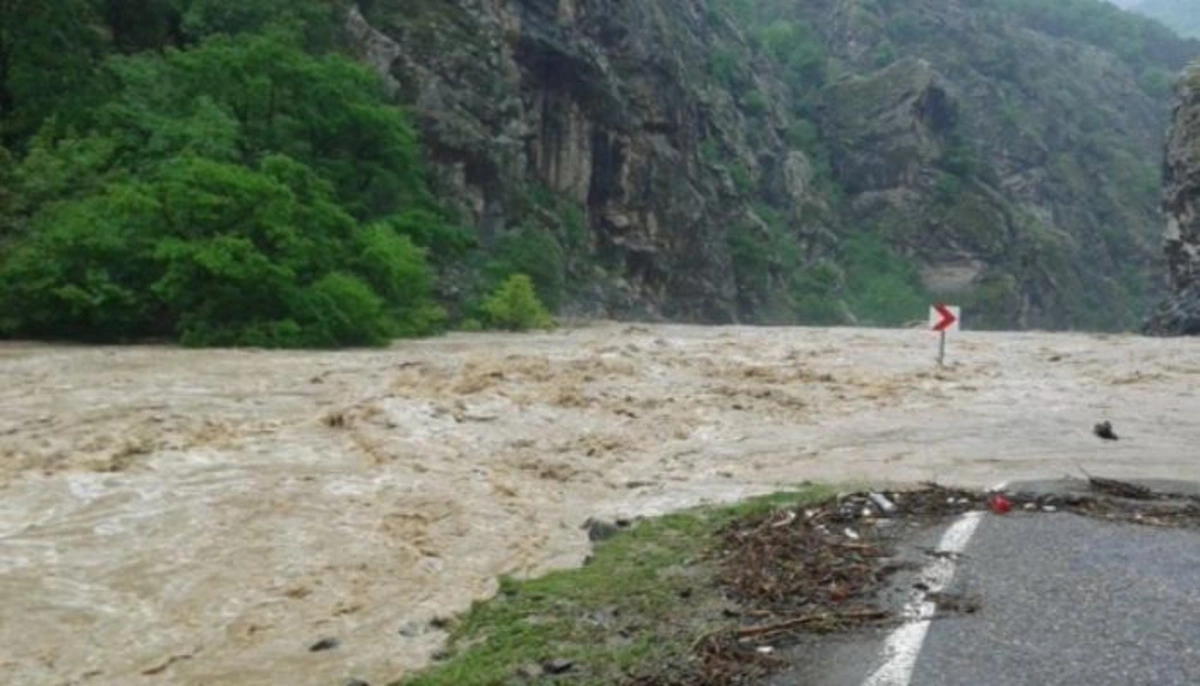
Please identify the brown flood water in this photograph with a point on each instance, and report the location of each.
(203, 517)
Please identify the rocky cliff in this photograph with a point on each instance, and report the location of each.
(1180, 313)
(828, 161)
(606, 106)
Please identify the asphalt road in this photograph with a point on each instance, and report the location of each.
(1068, 600)
(1058, 599)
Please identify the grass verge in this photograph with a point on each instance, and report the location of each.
(643, 598)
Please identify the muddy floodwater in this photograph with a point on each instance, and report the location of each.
(204, 517)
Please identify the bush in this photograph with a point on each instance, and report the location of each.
(884, 55)
(804, 135)
(722, 65)
(81, 276)
(751, 251)
(537, 254)
(515, 306)
(341, 310)
(395, 268)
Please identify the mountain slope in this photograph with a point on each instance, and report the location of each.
(835, 160)
(1033, 198)
(1182, 16)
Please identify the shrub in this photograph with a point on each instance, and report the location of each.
(537, 254)
(341, 310)
(515, 306)
(815, 294)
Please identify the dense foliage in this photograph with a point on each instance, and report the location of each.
(515, 306)
(208, 171)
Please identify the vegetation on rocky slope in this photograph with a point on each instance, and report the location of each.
(1009, 148)
(774, 162)
(223, 172)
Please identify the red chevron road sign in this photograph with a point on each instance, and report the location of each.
(944, 318)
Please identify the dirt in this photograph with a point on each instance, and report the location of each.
(198, 517)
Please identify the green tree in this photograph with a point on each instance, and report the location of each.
(238, 192)
(259, 94)
(315, 22)
(536, 253)
(515, 306)
(48, 50)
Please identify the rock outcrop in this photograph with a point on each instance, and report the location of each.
(1180, 313)
(719, 171)
(607, 105)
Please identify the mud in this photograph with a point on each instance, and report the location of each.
(201, 517)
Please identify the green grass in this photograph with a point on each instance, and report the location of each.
(645, 595)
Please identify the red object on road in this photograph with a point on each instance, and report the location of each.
(999, 504)
(947, 319)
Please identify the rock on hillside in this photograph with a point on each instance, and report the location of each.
(1180, 314)
(606, 105)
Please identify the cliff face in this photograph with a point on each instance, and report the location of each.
(607, 106)
(1180, 313)
(721, 173)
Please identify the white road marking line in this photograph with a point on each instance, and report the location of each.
(903, 645)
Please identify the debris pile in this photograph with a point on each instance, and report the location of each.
(818, 569)
(802, 562)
